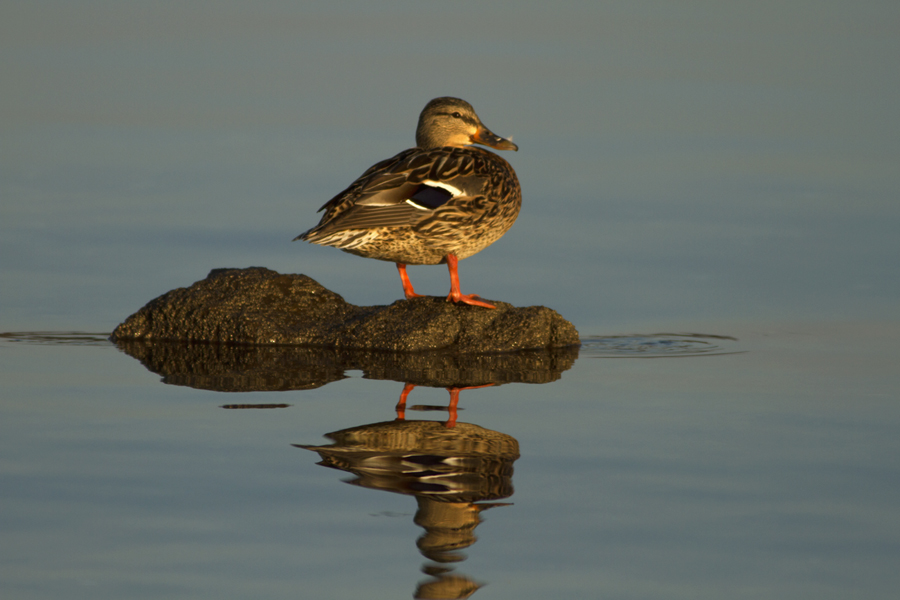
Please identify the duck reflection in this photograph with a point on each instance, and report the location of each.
(451, 407)
(454, 473)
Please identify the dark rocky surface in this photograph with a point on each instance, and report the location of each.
(262, 307)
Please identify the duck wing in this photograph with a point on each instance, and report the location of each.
(403, 190)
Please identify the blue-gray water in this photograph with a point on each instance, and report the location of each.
(687, 168)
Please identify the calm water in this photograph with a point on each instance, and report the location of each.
(711, 197)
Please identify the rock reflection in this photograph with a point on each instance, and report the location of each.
(454, 473)
(237, 368)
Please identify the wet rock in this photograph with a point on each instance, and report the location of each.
(260, 306)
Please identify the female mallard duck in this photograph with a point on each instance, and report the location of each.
(437, 203)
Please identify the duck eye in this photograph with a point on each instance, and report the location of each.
(456, 115)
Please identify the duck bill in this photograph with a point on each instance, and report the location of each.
(489, 138)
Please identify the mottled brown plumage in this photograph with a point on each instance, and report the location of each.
(439, 202)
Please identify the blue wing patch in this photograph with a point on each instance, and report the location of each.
(430, 198)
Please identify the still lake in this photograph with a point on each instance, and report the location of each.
(711, 195)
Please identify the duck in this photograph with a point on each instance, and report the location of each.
(437, 203)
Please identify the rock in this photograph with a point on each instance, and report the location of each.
(260, 306)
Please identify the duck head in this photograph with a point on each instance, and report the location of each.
(452, 122)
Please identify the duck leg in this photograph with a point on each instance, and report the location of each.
(454, 401)
(456, 295)
(451, 408)
(401, 405)
(408, 290)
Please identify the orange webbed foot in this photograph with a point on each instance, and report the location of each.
(468, 299)
(456, 295)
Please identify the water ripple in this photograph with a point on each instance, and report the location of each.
(658, 345)
(655, 345)
(69, 338)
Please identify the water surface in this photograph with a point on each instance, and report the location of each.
(711, 187)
